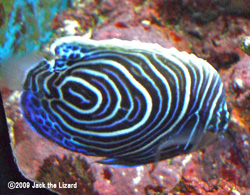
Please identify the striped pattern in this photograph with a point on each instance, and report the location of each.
(132, 102)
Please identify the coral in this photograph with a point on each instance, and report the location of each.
(24, 22)
(66, 170)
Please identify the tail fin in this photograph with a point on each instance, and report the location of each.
(13, 69)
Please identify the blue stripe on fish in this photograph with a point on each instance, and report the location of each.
(131, 102)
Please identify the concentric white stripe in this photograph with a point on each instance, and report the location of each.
(194, 72)
(181, 115)
(136, 84)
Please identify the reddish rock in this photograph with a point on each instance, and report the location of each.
(241, 82)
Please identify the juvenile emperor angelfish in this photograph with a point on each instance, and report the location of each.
(131, 102)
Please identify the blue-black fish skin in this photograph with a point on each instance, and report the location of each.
(131, 102)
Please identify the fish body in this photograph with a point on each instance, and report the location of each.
(131, 102)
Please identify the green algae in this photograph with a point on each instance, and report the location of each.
(26, 25)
